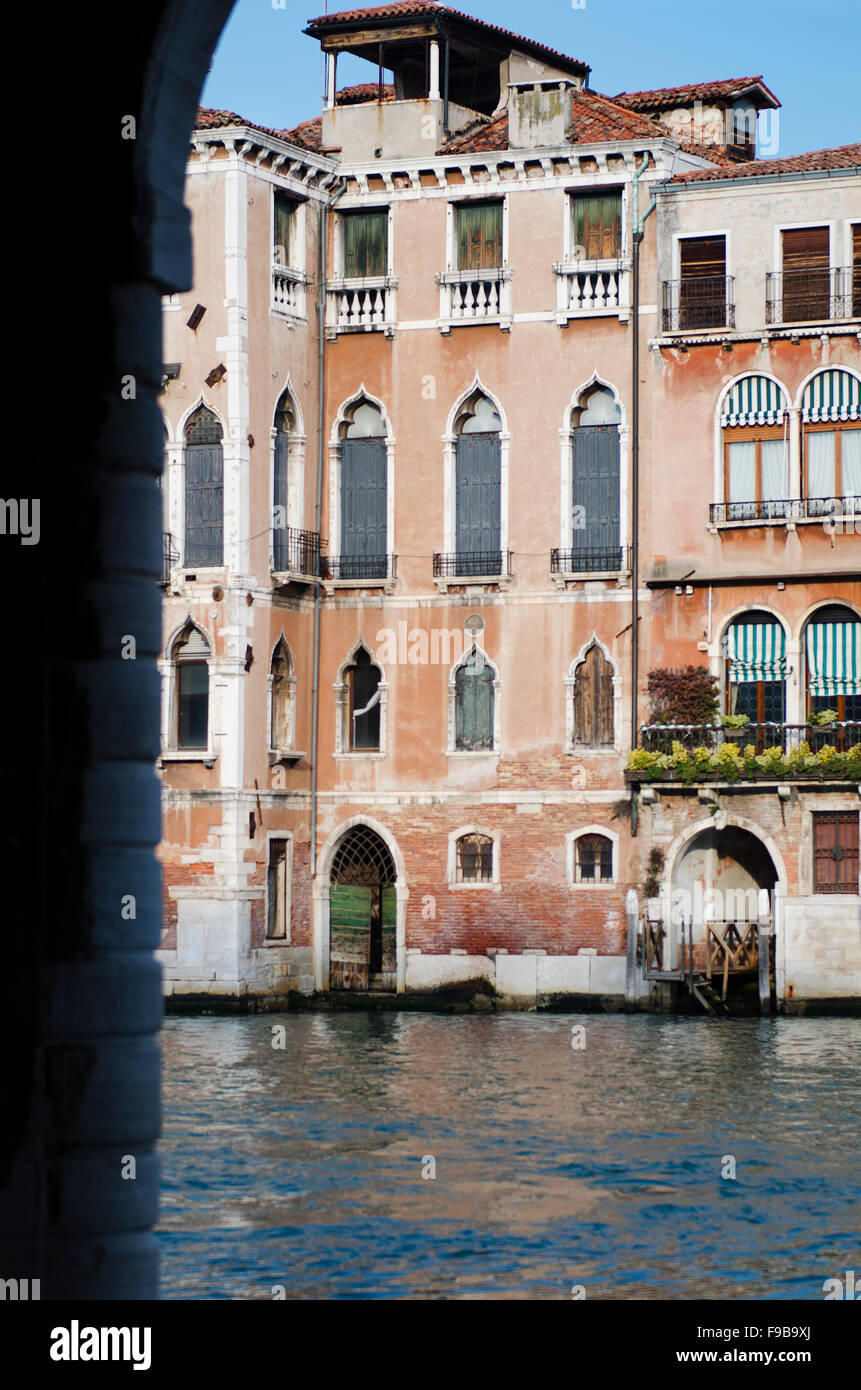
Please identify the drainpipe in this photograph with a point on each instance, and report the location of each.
(637, 237)
(318, 514)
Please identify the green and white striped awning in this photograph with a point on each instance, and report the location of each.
(755, 400)
(834, 658)
(756, 652)
(832, 395)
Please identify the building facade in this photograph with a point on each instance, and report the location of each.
(422, 541)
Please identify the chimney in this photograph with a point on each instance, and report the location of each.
(538, 113)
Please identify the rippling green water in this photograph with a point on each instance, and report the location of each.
(555, 1166)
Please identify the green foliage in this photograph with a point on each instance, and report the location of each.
(734, 721)
(654, 869)
(730, 762)
(822, 718)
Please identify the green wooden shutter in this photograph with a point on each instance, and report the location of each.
(365, 244)
(479, 236)
(473, 707)
(598, 226)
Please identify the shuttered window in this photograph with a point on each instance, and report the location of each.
(703, 288)
(284, 221)
(596, 475)
(479, 236)
(806, 279)
(281, 730)
(365, 244)
(856, 270)
(597, 225)
(474, 706)
(364, 501)
(835, 851)
(593, 701)
(478, 474)
(278, 892)
(474, 859)
(204, 490)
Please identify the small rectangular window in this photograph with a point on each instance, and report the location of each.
(597, 225)
(365, 244)
(284, 251)
(479, 236)
(835, 851)
(856, 270)
(475, 859)
(278, 892)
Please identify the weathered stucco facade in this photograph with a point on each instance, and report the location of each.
(507, 833)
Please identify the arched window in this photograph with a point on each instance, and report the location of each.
(364, 494)
(755, 428)
(756, 668)
(190, 657)
(595, 470)
(474, 699)
(593, 701)
(478, 488)
(282, 699)
(831, 425)
(204, 489)
(474, 859)
(362, 913)
(832, 653)
(363, 703)
(285, 423)
(593, 859)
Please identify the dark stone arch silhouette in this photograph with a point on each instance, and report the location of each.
(79, 789)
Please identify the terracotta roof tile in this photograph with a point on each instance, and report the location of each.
(429, 8)
(659, 97)
(716, 153)
(593, 118)
(840, 157)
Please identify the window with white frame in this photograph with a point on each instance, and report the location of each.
(473, 857)
(592, 858)
(288, 254)
(755, 437)
(282, 697)
(189, 657)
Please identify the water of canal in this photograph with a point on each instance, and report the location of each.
(600, 1165)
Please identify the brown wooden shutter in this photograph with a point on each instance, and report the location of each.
(856, 270)
(702, 255)
(584, 702)
(806, 248)
(604, 703)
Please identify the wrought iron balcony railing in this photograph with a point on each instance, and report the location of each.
(296, 552)
(786, 509)
(659, 738)
(699, 301)
(476, 564)
(358, 567)
(810, 296)
(169, 556)
(590, 561)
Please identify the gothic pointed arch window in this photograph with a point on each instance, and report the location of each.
(478, 487)
(364, 493)
(474, 705)
(190, 655)
(285, 427)
(596, 475)
(362, 705)
(204, 489)
(282, 699)
(592, 699)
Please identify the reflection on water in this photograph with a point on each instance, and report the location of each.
(555, 1166)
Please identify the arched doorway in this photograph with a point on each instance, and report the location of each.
(717, 904)
(362, 914)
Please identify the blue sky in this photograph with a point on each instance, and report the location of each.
(806, 50)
